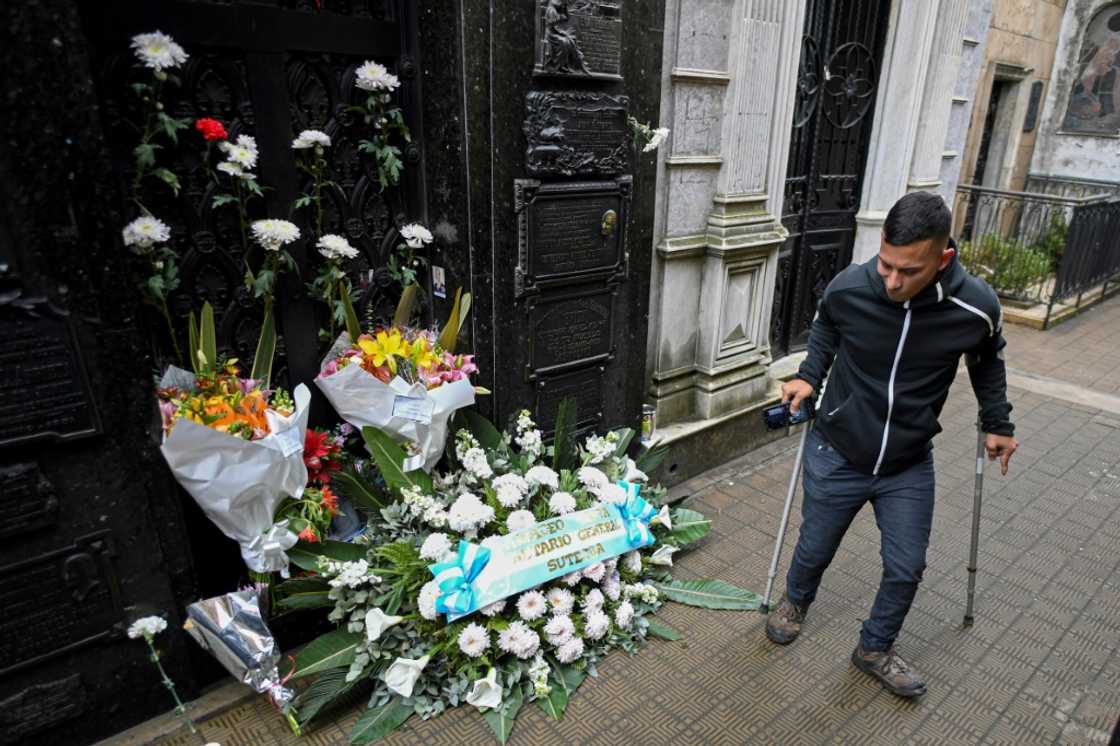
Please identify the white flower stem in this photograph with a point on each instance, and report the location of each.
(180, 708)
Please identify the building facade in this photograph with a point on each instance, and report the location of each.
(796, 125)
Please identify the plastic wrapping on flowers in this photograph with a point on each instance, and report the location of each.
(537, 644)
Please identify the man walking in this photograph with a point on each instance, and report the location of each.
(893, 331)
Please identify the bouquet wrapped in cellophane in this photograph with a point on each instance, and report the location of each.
(235, 445)
(403, 380)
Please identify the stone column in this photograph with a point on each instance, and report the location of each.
(898, 110)
(937, 100)
(728, 95)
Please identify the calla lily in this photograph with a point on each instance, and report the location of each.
(402, 674)
(662, 517)
(377, 621)
(633, 473)
(663, 555)
(486, 692)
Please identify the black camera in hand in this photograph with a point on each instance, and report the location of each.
(778, 416)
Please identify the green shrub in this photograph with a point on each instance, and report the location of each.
(1009, 265)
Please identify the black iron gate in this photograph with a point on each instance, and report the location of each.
(837, 79)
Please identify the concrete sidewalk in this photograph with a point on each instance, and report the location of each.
(1039, 666)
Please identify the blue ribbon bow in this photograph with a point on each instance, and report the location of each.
(455, 578)
(636, 514)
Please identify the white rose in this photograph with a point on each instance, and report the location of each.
(401, 676)
(486, 692)
(377, 621)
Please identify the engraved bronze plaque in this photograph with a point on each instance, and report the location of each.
(568, 229)
(59, 601)
(44, 392)
(585, 386)
(570, 330)
(27, 500)
(579, 38)
(574, 133)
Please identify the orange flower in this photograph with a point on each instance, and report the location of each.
(309, 534)
(249, 410)
(330, 500)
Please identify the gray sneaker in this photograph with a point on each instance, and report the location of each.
(783, 625)
(892, 672)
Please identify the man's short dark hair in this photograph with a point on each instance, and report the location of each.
(918, 216)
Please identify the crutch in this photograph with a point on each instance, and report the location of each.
(765, 608)
(977, 496)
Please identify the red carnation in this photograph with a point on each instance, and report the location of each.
(309, 534)
(211, 129)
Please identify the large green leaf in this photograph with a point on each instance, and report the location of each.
(555, 703)
(208, 341)
(353, 327)
(349, 485)
(192, 339)
(481, 428)
(662, 630)
(650, 458)
(332, 650)
(379, 722)
(406, 306)
(305, 555)
(569, 678)
(688, 526)
(565, 455)
(460, 306)
(625, 435)
(302, 585)
(266, 349)
(564, 680)
(305, 600)
(709, 594)
(329, 687)
(390, 460)
(501, 719)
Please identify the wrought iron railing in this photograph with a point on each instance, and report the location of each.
(1038, 249)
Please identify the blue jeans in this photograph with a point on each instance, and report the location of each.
(834, 493)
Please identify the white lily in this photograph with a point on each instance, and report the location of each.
(633, 473)
(662, 517)
(486, 692)
(663, 555)
(401, 676)
(377, 621)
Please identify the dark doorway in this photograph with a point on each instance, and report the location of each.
(841, 54)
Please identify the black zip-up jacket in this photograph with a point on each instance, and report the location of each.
(894, 363)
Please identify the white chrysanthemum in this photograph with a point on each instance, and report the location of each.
(240, 155)
(570, 650)
(510, 489)
(231, 168)
(249, 143)
(518, 639)
(632, 562)
(595, 572)
(624, 615)
(144, 232)
(532, 605)
(572, 579)
(612, 586)
(611, 494)
(272, 234)
(468, 512)
(493, 609)
(146, 627)
(561, 503)
(435, 547)
(426, 602)
(311, 138)
(561, 600)
(542, 475)
(593, 600)
(596, 624)
(592, 478)
(559, 629)
(333, 246)
(372, 76)
(474, 640)
(416, 235)
(657, 137)
(508, 637)
(158, 51)
(520, 519)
